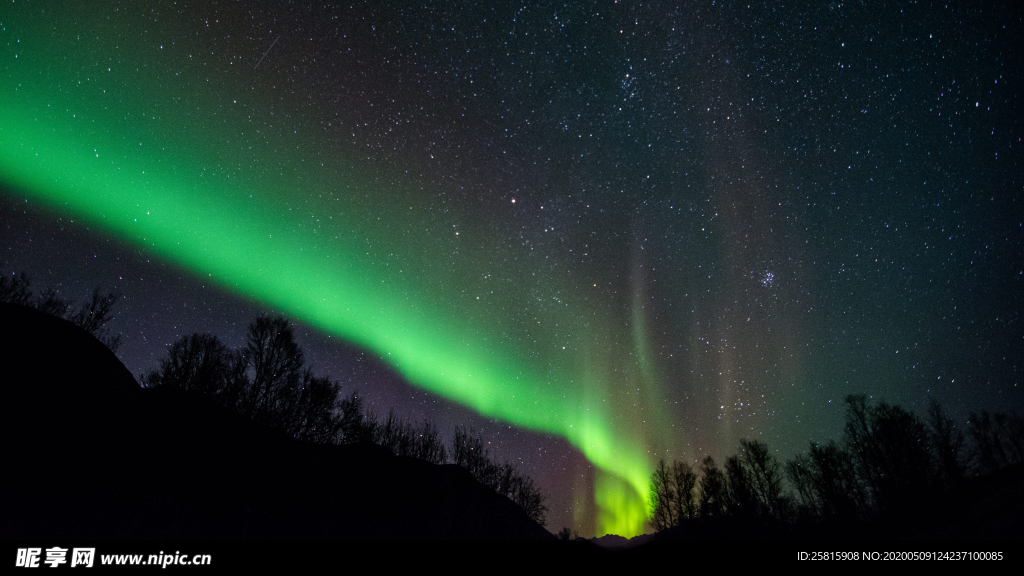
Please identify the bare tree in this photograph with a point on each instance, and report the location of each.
(51, 303)
(673, 497)
(948, 442)
(355, 427)
(998, 440)
(840, 491)
(469, 452)
(14, 289)
(765, 477)
(236, 383)
(429, 446)
(280, 393)
(198, 362)
(315, 413)
(891, 449)
(685, 486)
(801, 476)
(92, 316)
(529, 498)
(742, 503)
(663, 496)
(275, 361)
(712, 490)
(96, 312)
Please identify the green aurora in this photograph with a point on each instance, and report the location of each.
(649, 229)
(364, 256)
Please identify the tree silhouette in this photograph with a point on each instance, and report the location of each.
(685, 501)
(742, 503)
(313, 412)
(94, 314)
(51, 303)
(948, 442)
(266, 381)
(891, 449)
(91, 316)
(673, 497)
(529, 498)
(749, 489)
(14, 289)
(998, 439)
(395, 435)
(404, 439)
(275, 362)
(281, 393)
(801, 475)
(469, 452)
(840, 493)
(198, 362)
(712, 490)
(889, 465)
(764, 475)
(663, 496)
(355, 427)
(429, 446)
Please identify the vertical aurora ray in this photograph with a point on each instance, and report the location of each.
(361, 254)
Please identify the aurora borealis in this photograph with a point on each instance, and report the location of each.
(650, 229)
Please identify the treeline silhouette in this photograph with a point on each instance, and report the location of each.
(889, 467)
(91, 315)
(266, 381)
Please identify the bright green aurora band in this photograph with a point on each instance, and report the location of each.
(175, 168)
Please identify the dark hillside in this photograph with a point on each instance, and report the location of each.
(92, 455)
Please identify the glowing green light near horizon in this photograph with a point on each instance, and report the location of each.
(253, 251)
(359, 258)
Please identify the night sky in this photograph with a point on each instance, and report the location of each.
(600, 233)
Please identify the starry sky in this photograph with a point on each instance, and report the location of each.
(600, 233)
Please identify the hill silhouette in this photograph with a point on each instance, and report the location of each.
(93, 455)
